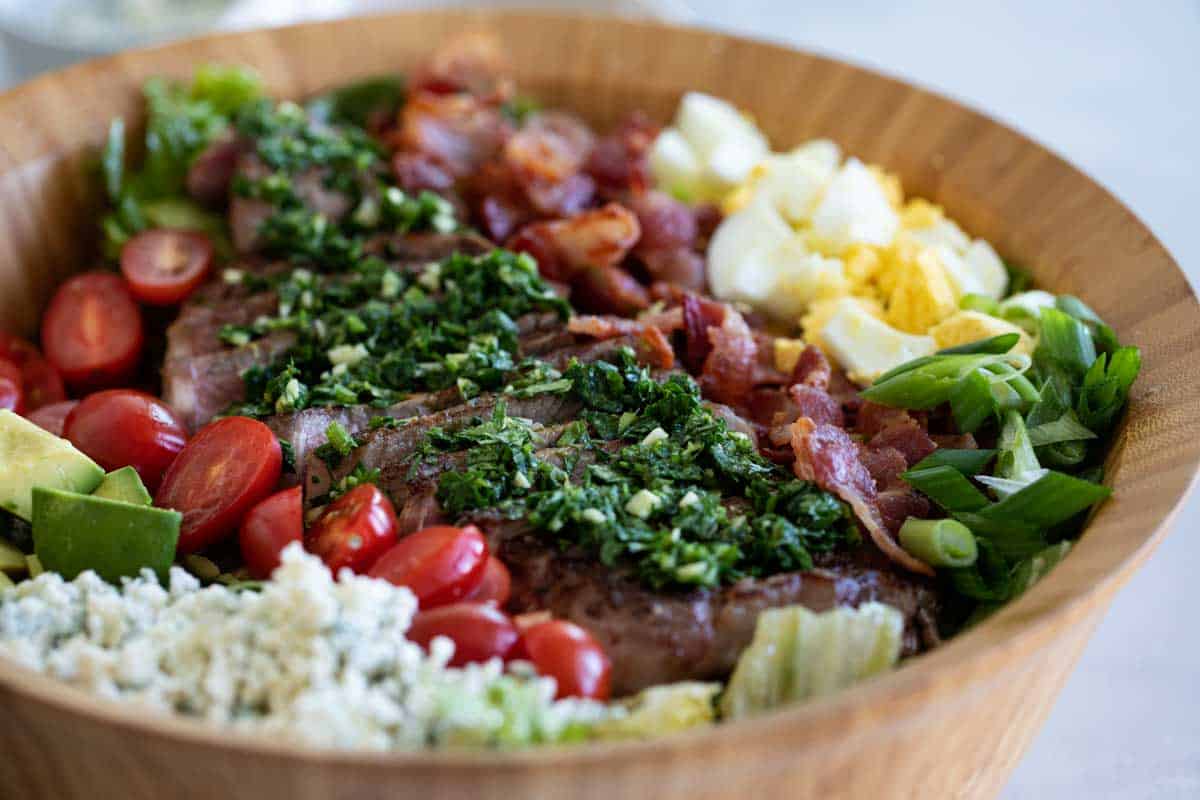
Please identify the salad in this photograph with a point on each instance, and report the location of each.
(420, 415)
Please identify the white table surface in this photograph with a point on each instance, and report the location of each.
(1115, 87)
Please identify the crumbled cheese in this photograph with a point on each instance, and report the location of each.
(688, 500)
(642, 504)
(521, 481)
(233, 276)
(655, 436)
(290, 397)
(389, 285)
(308, 660)
(431, 276)
(594, 516)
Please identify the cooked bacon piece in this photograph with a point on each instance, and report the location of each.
(733, 421)
(955, 441)
(415, 172)
(564, 248)
(898, 504)
(458, 132)
(499, 202)
(815, 404)
(609, 327)
(545, 157)
(909, 439)
(654, 349)
(619, 163)
(828, 456)
(699, 315)
(472, 62)
(885, 465)
(667, 224)
(708, 217)
(609, 290)
(812, 368)
(679, 267)
(728, 372)
(873, 417)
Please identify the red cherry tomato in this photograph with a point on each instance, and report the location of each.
(125, 428)
(52, 417)
(40, 381)
(92, 331)
(479, 631)
(164, 266)
(224, 471)
(355, 530)
(568, 653)
(441, 565)
(271, 526)
(12, 391)
(495, 586)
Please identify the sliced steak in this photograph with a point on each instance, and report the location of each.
(656, 637)
(200, 387)
(422, 248)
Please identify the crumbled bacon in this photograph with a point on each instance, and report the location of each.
(472, 62)
(898, 504)
(654, 349)
(885, 465)
(728, 372)
(815, 404)
(699, 315)
(812, 369)
(608, 290)
(955, 441)
(873, 417)
(826, 455)
(546, 156)
(618, 163)
(415, 172)
(457, 132)
(599, 238)
(909, 439)
(679, 267)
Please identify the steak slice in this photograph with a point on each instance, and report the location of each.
(200, 387)
(656, 637)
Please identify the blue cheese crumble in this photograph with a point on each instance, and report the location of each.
(309, 660)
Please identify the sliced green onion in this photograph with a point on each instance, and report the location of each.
(1052, 499)
(1010, 538)
(1105, 389)
(947, 487)
(1067, 428)
(972, 402)
(1016, 457)
(988, 580)
(981, 303)
(996, 345)
(968, 462)
(939, 542)
(1104, 337)
(1066, 342)
(1034, 568)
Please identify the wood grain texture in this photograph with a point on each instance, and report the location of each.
(949, 724)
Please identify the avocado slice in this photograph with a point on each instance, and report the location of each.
(75, 532)
(124, 485)
(30, 456)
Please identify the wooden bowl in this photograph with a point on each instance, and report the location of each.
(949, 724)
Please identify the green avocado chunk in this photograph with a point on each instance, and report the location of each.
(30, 456)
(74, 532)
(125, 485)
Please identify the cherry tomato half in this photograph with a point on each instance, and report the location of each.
(164, 266)
(12, 388)
(52, 417)
(227, 468)
(271, 526)
(355, 530)
(568, 653)
(92, 331)
(441, 565)
(41, 383)
(479, 631)
(495, 586)
(126, 428)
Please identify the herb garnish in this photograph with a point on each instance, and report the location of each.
(682, 499)
(375, 335)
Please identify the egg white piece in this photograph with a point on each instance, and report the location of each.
(742, 251)
(865, 346)
(855, 210)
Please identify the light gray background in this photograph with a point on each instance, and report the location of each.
(1115, 88)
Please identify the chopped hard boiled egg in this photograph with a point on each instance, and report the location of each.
(920, 292)
(787, 353)
(966, 327)
(711, 148)
(855, 209)
(867, 347)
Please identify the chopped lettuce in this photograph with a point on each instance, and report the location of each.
(662, 710)
(797, 653)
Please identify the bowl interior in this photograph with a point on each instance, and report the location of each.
(1037, 210)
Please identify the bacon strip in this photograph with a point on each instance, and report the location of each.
(827, 456)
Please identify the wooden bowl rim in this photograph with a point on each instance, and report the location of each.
(1005, 639)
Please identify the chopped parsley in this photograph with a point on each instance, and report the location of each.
(375, 334)
(680, 498)
(292, 146)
